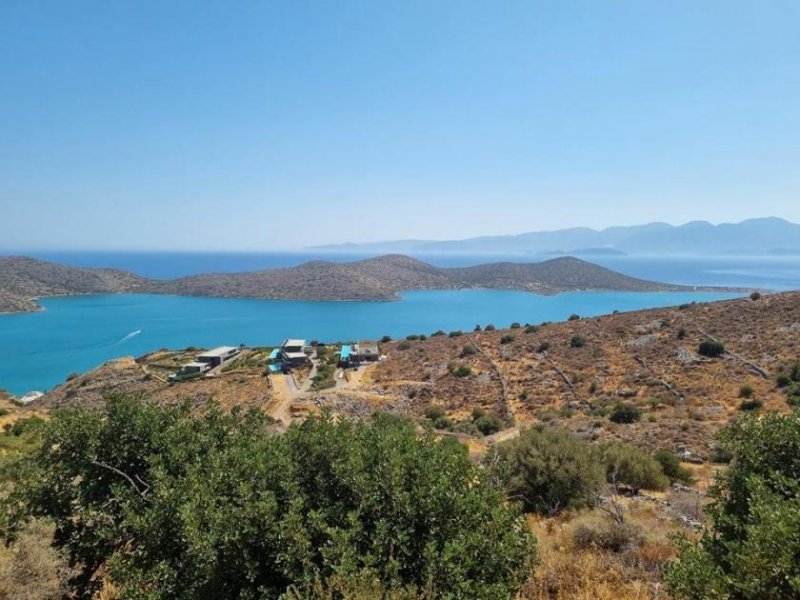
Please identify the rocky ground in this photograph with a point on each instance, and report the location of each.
(571, 374)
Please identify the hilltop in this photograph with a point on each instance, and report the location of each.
(381, 279)
(23, 279)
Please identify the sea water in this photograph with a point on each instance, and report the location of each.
(39, 350)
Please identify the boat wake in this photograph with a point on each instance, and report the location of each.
(132, 334)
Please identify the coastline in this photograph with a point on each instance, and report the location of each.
(398, 297)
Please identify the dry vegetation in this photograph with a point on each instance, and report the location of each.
(647, 358)
(242, 383)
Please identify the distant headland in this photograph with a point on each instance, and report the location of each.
(24, 279)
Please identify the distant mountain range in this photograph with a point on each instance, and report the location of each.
(23, 279)
(768, 236)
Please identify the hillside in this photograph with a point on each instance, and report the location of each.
(572, 374)
(23, 278)
(529, 375)
(532, 374)
(382, 278)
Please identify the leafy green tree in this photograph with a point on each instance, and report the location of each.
(213, 506)
(752, 548)
(549, 470)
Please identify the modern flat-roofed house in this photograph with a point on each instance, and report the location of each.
(295, 352)
(190, 370)
(367, 351)
(217, 356)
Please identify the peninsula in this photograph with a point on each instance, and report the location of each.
(23, 280)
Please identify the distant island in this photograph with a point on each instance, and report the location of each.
(23, 280)
(766, 236)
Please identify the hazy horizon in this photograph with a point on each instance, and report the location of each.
(195, 126)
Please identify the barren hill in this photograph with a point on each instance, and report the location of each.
(24, 279)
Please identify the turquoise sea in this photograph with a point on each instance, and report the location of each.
(38, 351)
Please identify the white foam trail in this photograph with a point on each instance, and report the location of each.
(130, 335)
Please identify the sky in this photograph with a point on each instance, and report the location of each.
(277, 125)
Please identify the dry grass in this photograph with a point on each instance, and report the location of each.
(573, 566)
(32, 569)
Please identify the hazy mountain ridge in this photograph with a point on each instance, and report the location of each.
(382, 278)
(763, 236)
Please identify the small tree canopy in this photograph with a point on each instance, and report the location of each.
(180, 505)
(751, 549)
(549, 470)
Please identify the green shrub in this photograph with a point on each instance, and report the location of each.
(755, 296)
(515, 325)
(477, 413)
(404, 345)
(672, 467)
(711, 348)
(625, 412)
(386, 339)
(23, 426)
(4, 412)
(488, 424)
(577, 341)
(438, 333)
(574, 317)
(434, 412)
(506, 339)
(454, 334)
(783, 381)
(751, 547)
(531, 329)
(681, 333)
(462, 371)
(549, 470)
(443, 423)
(746, 391)
(748, 405)
(468, 350)
(177, 505)
(543, 347)
(412, 337)
(628, 466)
(489, 327)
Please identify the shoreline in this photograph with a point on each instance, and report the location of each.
(677, 289)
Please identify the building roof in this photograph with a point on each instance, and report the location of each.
(293, 342)
(367, 347)
(293, 355)
(221, 351)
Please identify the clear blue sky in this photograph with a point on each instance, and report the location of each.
(237, 125)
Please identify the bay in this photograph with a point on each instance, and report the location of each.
(39, 350)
